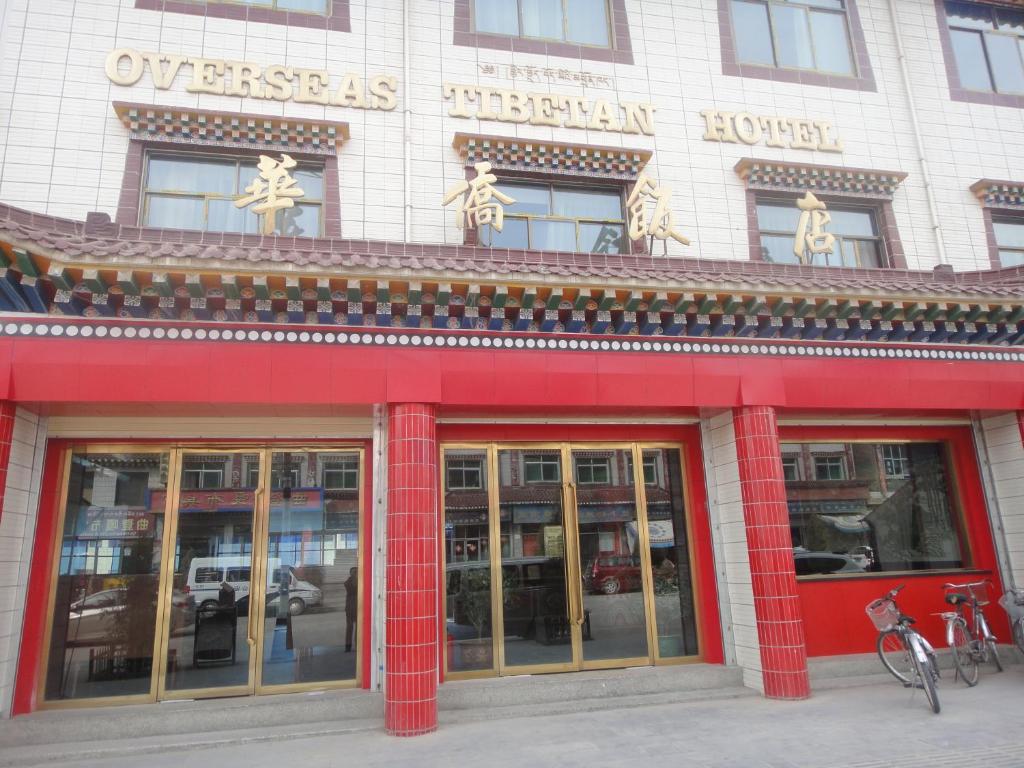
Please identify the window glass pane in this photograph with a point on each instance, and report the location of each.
(302, 220)
(173, 212)
(225, 217)
(514, 234)
(970, 60)
(851, 222)
(868, 253)
(969, 15)
(310, 181)
(831, 45)
(191, 175)
(602, 238)
(552, 235)
(1011, 258)
(309, 6)
(793, 37)
(588, 204)
(834, 4)
(542, 18)
(778, 249)
(1004, 55)
(1009, 234)
(498, 16)
(1010, 21)
(753, 36)
(777, 217)
(532, 199)
(587, 21)
(869, 510)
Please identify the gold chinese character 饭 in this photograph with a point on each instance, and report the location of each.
(659, 224)
(476, 207)
(811, 236)
(272, 191)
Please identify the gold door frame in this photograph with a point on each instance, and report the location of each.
(260, 546)
(570, 528)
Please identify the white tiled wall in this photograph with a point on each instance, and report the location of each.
(17, 528)
(1004, 451)
(64, 149)
(730, 544)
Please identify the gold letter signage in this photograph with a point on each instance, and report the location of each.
(660, 224)
(272, 191)
(126, 66)
(791, 132)
(509, 106)
(811, 236)
(476, 208)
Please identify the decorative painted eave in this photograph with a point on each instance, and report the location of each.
(514, 154)
(210, 127)
(776, 176)
(98, 269)
(999, 194)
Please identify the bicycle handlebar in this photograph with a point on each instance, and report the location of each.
(968, 585)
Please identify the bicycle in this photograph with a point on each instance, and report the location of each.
(972, 643)
(1013, 603)
(905, 654)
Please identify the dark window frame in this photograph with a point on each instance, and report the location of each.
(129, 209)
(957, 91)
(863, 78)
(620, 51)
(463, 469)
(893, 256)
(337, 19)
(991, 215)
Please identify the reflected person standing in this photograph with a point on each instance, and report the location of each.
(351, 606)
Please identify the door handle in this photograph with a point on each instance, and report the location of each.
(577, 594)
(256, 532)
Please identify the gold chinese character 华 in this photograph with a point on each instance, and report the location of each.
(659, 225)
(272, 191)
(811, 236)
(477, 207)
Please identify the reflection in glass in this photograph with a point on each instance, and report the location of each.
(857, 244)
(207, 647)
(857, 507)
(793, 36)
(467, 561)
(108, 577)
(670, 554)
(614, 612)
(753, 35)
(534, 599)
(312, 599)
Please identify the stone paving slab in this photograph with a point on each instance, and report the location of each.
(880, 724)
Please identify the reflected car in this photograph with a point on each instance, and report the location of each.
(824, 563)
(92, 619)
(611, 574)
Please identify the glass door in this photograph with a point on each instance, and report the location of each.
(212, 615)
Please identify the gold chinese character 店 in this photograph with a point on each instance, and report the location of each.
(811, 236)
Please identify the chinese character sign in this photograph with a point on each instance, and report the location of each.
(272, 191)
(660, 223)
(811, 236)
(477, 207)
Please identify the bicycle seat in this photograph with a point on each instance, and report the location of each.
(904, 619)
(955, 598)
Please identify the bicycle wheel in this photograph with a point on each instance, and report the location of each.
(895, 655)
(924, 673)
(963, 657)
(993, 653)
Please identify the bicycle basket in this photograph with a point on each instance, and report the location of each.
(884, 614)
(980, 590)
(1013, 603)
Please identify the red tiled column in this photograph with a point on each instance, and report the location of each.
(7, 410)
(410, 684)
(780, 629)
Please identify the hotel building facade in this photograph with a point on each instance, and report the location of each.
(383, 344)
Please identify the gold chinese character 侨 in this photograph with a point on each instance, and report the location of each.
(811, 236)
(272, 191)
(658, 225)
(476, 207)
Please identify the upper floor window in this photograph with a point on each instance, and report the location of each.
(829, 468)
(465, 474)
(988, 45)
(183, 191)
(312, 14)
(790, 468)
(320, 7)
(202, 474)
(542, 468)
(343, 475)
(584, 22)
(895, 461)
(593, 471)
(858, 240)
(1010, 241)
(547, 217)
(793, 34)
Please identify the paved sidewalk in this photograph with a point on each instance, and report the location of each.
(854, 727)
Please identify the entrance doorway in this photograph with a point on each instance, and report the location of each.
(566, 557)
(198, 572)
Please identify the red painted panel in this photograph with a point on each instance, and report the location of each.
(833, 609)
